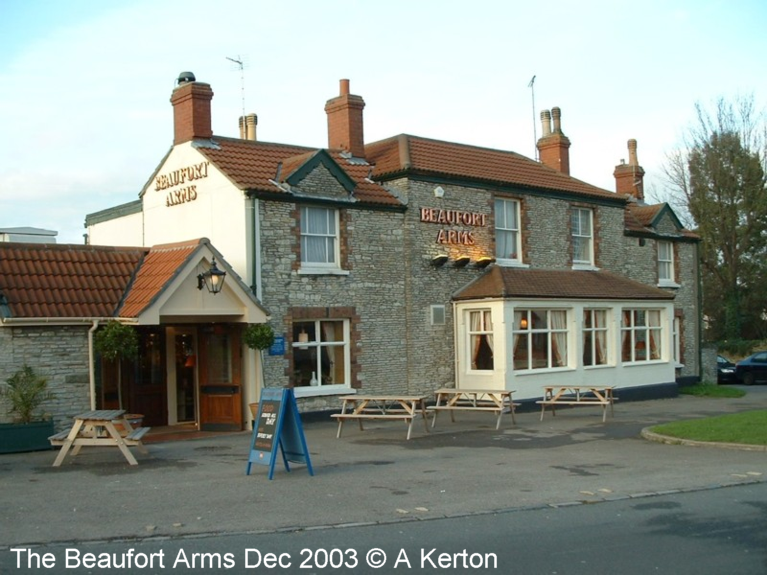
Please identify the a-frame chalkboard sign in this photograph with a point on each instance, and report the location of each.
(278, 425)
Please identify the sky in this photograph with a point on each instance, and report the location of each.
(85, 85)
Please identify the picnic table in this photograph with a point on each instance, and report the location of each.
(386, 407)
(496, 401)
(96, 428)
(554, 395)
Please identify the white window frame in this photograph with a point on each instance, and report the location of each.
(508, 204)
(580, 235)
(485, 316)
(523, 326)
(334, 252)
(666, 264)
(317, 344)
(591, 333)
(677, 339)
(637, 334)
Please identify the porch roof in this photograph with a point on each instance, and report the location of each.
(507, 283)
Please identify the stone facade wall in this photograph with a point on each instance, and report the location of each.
(58, 353)
(374, 288)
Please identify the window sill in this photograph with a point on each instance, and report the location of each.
(643, 363)
(542, 370)
(585, 267)
(308, 271)
(320, 390)
(668, 284)
(510, 263)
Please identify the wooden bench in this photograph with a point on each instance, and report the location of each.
(58, 439)
(384, 407)
(577, 395)
(492, 400)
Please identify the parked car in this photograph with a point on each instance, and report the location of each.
(752, 369)
(725, 370)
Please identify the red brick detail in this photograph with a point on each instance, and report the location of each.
(554, 152)
(629, 181)
(345, 127)
(191, 112)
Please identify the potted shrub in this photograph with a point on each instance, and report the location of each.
(258, 336)
(25, 392)
(117, 341)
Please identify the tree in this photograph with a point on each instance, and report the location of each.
(719, 176)
(114, 342)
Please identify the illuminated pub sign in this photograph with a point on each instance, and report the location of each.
(178, 179)
(458, 218)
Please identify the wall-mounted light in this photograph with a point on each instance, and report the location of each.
(439, 260)
(461, 261)
(642, 242)
(213, 279)
(484, 261)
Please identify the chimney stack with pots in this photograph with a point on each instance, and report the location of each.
(629, 178)
(553, 145)
(345, 122)
(191, 109)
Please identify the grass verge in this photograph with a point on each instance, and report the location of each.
(749, 428)
(711, 390)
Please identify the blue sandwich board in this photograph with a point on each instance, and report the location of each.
(278, 425)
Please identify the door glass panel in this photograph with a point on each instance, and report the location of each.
(186, 361)
(219, 359)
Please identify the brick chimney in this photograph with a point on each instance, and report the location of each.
(191, 109)
(553, 145)
(629, 178)
(248, 127)
(345, 122)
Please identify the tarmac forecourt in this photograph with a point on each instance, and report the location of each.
(186, 489)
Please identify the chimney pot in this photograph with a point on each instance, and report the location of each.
(633, 152)
(344, 87)
(546, 123)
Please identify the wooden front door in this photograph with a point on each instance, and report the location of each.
(220, 378)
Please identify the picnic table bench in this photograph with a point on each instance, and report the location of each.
(496, 401)
(554, 395)
(96, 428)
(386, 407)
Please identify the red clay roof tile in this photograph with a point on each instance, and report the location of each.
(398, 154)
(158, 268)
(65, 280)
(505, 282)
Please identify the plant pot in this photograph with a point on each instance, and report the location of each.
(135, 420)
(20, 437)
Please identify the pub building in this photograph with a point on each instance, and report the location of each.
(409, 264)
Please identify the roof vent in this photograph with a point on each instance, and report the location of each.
(185, 77)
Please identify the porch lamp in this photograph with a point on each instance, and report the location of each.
(213, 279)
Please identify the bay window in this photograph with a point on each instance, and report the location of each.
(540, 339)
(481, 340)
(594, 337)
(640, 335)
